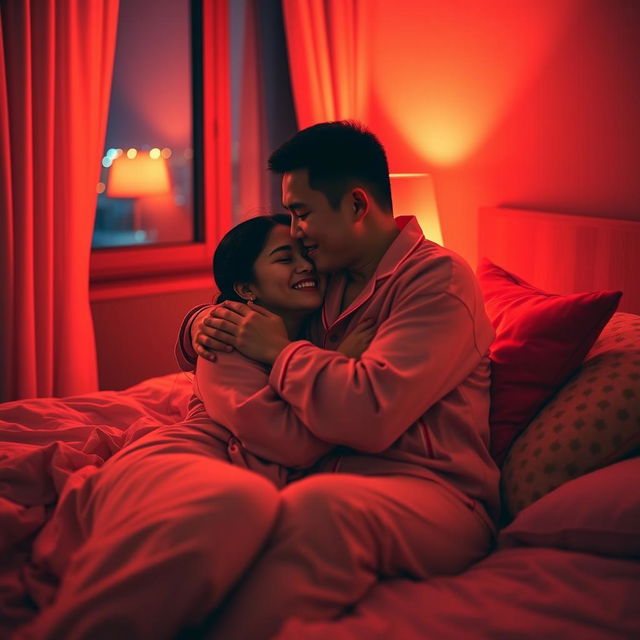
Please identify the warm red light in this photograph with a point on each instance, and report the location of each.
(414, 194)
(138, 176)
(446, 73)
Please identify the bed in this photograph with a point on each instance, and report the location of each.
(47, 441)
(567, 559)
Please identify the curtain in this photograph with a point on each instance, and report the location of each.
(327, 59)
(265, 114)
(56, 61)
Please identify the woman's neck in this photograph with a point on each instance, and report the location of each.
(293, 324)
(293, 320)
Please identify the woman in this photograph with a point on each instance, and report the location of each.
(257, 262)
(154, 539)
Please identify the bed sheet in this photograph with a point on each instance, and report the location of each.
(525, 593)
(43, 442)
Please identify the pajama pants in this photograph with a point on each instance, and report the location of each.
(168, 536)
(335, 536)
(151, 542)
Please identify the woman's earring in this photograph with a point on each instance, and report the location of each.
(251, 298)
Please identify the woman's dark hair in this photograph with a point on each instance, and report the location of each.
(237, 252)
(337, 154)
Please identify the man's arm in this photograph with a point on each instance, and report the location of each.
(195, 338)
(184, 351)
(236, 393)
(423, 351)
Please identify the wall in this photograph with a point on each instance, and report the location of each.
(532, 103)
(136, 335)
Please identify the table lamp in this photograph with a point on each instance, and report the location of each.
(413, 194)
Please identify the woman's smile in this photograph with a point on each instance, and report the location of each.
(306, 284)
(282, 268)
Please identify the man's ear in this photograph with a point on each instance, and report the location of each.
(360, 202)
(245, 291)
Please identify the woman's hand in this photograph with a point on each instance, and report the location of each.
(251, 329)
(356, 343)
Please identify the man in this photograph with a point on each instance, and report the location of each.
(410, 488)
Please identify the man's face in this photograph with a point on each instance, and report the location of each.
(328, 235)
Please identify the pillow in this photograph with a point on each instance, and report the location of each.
(597, 513)
(592, 421)
(541, 339)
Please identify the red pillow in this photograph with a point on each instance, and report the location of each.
(541, 339)
(596, 513)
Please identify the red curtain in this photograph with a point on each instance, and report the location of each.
(56, 61)
(216, 134)
(326, 40)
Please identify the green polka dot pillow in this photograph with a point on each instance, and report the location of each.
(593, 420)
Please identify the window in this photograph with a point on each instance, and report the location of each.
(156, 218)
(145, 193)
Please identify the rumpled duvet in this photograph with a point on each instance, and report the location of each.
(46, 441)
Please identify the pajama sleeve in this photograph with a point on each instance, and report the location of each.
(185, 355)
(236, 394)
(426, 347)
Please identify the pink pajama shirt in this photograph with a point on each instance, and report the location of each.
(410, 487)
(416, 402)
(267, 435)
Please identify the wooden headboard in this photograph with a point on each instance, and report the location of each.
(564, 253)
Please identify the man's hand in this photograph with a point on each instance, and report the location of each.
(203, 337)
(249, 328)
(356, 343)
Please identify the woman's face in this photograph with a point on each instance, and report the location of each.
(285, 280)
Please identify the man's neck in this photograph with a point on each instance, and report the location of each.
(378, 244)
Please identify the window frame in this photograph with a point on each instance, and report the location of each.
(212, 166)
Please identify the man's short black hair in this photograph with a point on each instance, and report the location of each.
(337, 154)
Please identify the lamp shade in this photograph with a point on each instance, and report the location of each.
(138, 176)
(413, 194)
